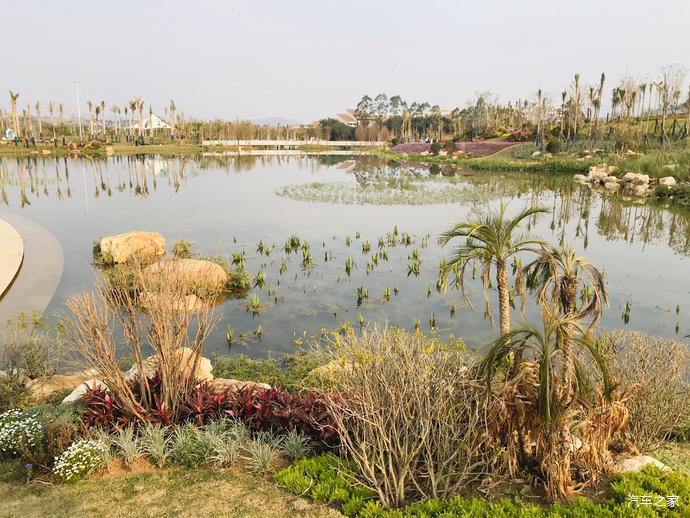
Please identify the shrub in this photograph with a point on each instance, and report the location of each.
(653, 372)
(182, 249)
(327, 478)
(187, 450)
(155, 443)
(330, 479)
(127, 444)
(434, 169)
(295, 445)
(60, 427)
(449, 146)
(261, 453)
(79, 460)
(677, 194)
(407, 412)
(18, 430)
(100, 258)
(554, 146)
(435, 148)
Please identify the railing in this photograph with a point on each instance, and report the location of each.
(294, 143)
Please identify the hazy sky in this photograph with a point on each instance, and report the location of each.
(305, 60)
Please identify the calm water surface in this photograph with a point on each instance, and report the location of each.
(229, 204)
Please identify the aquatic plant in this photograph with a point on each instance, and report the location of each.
(229, 335)
(306, 259)
(292, 244)
(347, 240)
(366, 247)
(260, 247)
(253, 302)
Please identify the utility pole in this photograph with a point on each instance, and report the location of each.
(76, 85)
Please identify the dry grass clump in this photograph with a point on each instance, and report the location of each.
(654, 374)
(408, 411)
(155, 316)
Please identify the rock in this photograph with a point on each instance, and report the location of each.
(536, 153)
(637, 463)
(580, 178)
(636, 178)
(151, 366)
(72, 146)
(192, 271)
(109, 150)
(124, 246)
(191, 302)
(612, 186)
(610, 179)
(78, 392)
(668, 181)
(46, 151)
(548, 155)
(222, 384)
(638, 189)
(46, 385)
(670, 166)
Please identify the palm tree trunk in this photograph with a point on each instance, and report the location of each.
(568, 301)
(503, 296)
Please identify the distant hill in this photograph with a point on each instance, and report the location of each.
(274, 121)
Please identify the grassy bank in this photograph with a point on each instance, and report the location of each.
(119, 149)
(168, 492)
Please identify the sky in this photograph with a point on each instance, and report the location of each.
(306, 60)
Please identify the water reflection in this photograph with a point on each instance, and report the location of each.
(226, 204)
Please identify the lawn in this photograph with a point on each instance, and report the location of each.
(169, 492)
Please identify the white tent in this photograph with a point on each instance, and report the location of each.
(158, 123)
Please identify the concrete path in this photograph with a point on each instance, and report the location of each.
(11, 254)
(40, 273)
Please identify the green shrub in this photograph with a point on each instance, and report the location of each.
(182, 249)
(677, 194)
(100, 258)
(435, 148)
(434, 169)
(60, 427)
(331, 479)
(554, 146)
(449, 147)
(328, 478)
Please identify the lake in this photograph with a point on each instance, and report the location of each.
(226, 204)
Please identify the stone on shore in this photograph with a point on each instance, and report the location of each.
(78, 392)
(668, 181)
(192, 271)
(151, 365)
(123, 246)
(637, 463)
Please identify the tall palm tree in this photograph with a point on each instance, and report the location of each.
(116, 116)
(15, 119)
(38, 118)
(132, 109)
(51, 110)
(558, 276)
(103, 112)
(557, 401)
(61, 108)
(491, 239)
(172, 118)
(140, 113)
(90, 105)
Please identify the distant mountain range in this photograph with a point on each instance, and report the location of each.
(274, 121)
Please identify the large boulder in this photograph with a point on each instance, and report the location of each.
(123, 246)
(152, 362)
(580, 178)
(192, 271)
(637, 463)
(42, 387)
(667, 181)
(636, 178)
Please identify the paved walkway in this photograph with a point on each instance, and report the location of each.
(11, 254)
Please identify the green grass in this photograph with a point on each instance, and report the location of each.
(119, 149)
(171, 492)
(291, 373)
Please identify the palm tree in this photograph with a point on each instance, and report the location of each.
(38, 118)
(140, 113)
(116, 116)
(90, 104)
(172, 118)
(132, 109)
(490, 240)
(15, 119)
(557, 402)
(103, 112)
(51, 110)
(61, 107)
(558, 275)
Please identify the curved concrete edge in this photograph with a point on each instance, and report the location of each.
(11, 255)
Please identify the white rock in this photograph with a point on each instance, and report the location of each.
(637, 463)
(192, 271)
(78, 392)
(612, 186)
(667, 180)
(536, 153)
(124, 246)
(580, 178)
(636, 178)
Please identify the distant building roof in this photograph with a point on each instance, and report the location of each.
(346, 118)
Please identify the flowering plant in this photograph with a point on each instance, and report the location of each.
(17, 429)
(80, 459)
